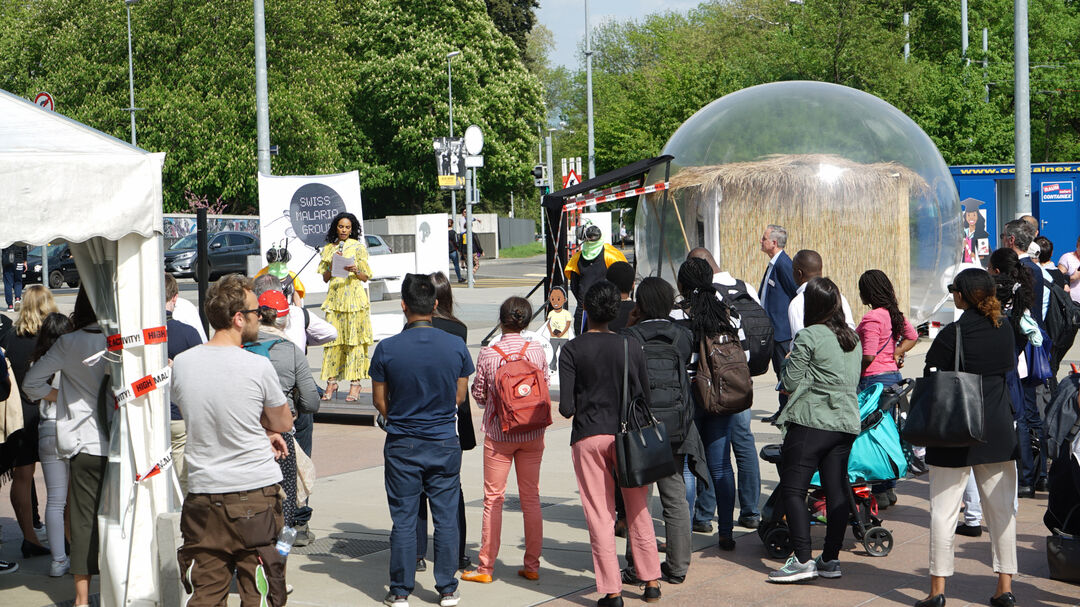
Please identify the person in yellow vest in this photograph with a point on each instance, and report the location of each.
(277, 259)
(587, 267)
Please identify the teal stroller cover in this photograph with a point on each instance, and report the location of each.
(876, 454)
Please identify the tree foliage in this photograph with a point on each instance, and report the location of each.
(352, 85)
(651, 74)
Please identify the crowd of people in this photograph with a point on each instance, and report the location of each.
(242, 406)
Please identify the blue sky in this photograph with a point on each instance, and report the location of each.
(566, 19)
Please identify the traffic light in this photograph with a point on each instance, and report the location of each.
(538, 171)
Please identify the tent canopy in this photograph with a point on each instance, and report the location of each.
(60, 179)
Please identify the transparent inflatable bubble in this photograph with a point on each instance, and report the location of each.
(845, 173)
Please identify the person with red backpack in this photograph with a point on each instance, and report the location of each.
(511, 386)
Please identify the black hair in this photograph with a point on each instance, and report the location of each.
(357, 229)
(515, 314)
(83, 315)
(655, 298)
(980, 221)
(444, 296)
(1046, 248)
(52, 327)
(823, 306)
(709, 315)
(977, 288)
(418, 293)
(876, 291)
(622, 274)
(602, 301)
(1013, 281)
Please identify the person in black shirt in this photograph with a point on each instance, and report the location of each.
(455, 254)
(591, 370)
(14, 262)
(621, 274)
(1046, 256)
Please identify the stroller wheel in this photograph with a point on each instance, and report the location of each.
(778, 542)
(878, 541)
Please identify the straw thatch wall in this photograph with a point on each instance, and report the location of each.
(855, 215)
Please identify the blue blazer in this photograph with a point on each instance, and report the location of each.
(1038, 287)
(779, 294)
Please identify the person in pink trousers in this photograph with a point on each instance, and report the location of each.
(505, 449)
(590, 375)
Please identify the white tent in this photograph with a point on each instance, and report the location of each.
(60, 179)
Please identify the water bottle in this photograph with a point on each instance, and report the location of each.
(285, 540)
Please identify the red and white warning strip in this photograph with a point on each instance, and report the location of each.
(162, 465)
(143, 386)
(115, 343)
(649, 189)
(605, 192)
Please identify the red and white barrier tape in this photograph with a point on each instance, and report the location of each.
(115, 343)
(604, 192)
(649, 189)
(162, 465)
(143, 386)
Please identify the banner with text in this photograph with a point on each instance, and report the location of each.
(295, 213)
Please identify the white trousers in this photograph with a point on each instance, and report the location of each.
(997, 489)
(55, 471)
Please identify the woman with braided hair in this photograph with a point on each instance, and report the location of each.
(886, 336)
(709, 317)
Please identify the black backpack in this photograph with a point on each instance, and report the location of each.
(755, 324)
(669, 384)
(1062, 321)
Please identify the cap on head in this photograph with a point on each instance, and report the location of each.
(276, 300)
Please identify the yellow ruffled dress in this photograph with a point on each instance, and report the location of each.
(348, 309)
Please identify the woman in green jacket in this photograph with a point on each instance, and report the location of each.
(820, 422)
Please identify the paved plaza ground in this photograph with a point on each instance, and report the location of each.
(348, 562)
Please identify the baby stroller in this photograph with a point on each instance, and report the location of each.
(876, 456)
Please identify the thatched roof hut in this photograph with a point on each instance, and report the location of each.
(855, 215)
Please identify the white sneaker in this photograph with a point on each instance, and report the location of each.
(396, 601)
(59, 568)
(450, 599)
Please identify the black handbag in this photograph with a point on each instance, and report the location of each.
(947, 407)
(642, 449)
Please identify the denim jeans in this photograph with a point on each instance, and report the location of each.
(12, 284)
(1029, 427)
(746, 461)
(715, 431)
(455, 260)
(433, 467)
(885, 379)
(700, 497)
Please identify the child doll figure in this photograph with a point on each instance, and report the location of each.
(559, 321)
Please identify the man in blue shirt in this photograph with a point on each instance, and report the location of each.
(418, 378)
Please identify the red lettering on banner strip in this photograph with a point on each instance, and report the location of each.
(143, 385)
(155, 335)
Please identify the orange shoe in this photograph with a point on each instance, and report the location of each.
(529, 575)
(476, 576)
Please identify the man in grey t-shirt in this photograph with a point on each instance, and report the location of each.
(235, 411)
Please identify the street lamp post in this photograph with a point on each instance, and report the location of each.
(262, 102)
(131, 74)
(588, 93)
(450, 89)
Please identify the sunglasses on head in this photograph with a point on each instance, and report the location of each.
(953, 289)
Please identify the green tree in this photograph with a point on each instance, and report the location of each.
(515, 18)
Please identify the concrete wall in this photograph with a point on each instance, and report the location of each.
(516, 232)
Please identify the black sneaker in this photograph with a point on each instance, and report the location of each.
(727, 544)
(703, 527)
(651, 594)
(665, 574)
(421, 565)
(630, 577)
(8, 567)
(464, 563)
(1040, 485)
(1025, 491)
(969, 530)
(750, 522)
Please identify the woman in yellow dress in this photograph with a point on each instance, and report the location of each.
(346, 308)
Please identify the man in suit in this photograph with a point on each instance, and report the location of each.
(777, 288)
(1018, 235)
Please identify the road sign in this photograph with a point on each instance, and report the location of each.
(45, 100)
(571, 179)
(474, 162)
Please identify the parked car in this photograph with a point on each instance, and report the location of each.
(376, 245)
(228, 252)
(61, 267)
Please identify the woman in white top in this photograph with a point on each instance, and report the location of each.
(82, 430)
